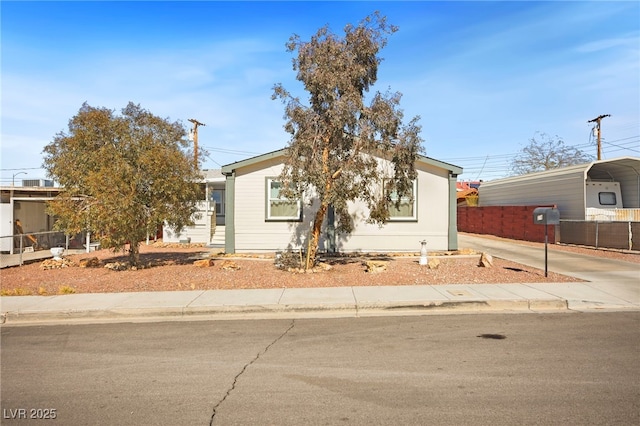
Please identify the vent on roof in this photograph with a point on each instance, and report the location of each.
(37, 182)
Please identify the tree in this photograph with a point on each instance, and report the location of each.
(122, 176)
(546, 153)
(334, 137)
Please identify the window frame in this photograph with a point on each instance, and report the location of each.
(602, 194)
(414, 217)
(268, 199)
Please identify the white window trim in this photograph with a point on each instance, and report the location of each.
(414, 217)
(268, 215)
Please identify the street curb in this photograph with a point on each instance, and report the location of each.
(283, 311)
(545, 305)
(517, 305)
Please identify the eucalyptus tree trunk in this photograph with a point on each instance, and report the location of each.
(134, 254)
(315, 236)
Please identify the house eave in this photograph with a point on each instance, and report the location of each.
(229, 168)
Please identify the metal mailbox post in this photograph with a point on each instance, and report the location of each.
(546, 216)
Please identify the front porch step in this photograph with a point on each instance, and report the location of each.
(218, 236)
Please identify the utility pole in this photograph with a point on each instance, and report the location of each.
(597, 121)
(196, 123)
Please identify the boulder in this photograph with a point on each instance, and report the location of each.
(203, 263)
(433, 263)
(486, 260)
(375, 266)
(119, 266)
(89, 262)
(322, 266)
(229, 265)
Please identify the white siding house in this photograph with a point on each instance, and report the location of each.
(568, 187)
(256, 220)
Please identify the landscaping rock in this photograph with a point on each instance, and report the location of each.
(433, 263)
(56, 264)
(375, 266)
(89, 262)
(465, 251)
(119, 266)
(203, 263)
(229, 265)
(323, 266)
(486, 260)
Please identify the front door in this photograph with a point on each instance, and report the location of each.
(217, 196)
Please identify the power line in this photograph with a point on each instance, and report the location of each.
(230, 151)
(206, 154)
(24, 168)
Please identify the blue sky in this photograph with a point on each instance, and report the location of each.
(483, 76)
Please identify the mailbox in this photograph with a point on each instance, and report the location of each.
(546, 216)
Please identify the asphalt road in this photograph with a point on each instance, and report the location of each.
(455, 369)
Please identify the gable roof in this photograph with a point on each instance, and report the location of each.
(229, 168)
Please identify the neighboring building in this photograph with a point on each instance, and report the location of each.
(209, 225)
(256, 220)
(468, 184)
(600, 190)
(24, 208)
(467, 192)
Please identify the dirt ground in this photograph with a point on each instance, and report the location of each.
(171, 267)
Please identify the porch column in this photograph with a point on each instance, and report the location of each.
(453, 212)
(230, 207)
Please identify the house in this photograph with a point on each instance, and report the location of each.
(256, 220)
(590, 191)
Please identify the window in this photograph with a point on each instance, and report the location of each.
(607, 198)
(407, 208)
(278, 207)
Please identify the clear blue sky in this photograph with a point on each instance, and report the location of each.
(483, 76)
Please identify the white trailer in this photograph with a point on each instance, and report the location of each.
(603, 195)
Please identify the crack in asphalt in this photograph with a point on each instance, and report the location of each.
(355, 299)
(244, 368)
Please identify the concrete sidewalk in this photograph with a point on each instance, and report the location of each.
(610, 285)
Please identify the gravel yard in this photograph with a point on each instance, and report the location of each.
(172, 268)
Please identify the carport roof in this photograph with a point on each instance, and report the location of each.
(608, 169)
(596, 170)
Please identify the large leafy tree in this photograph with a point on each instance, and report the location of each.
(335, 136)
(545, 153)
(122, 176)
